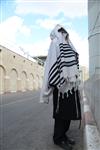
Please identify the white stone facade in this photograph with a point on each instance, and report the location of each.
(18, 73)
(94, 36)
(92, 85)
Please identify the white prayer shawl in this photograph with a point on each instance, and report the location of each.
(61, 66)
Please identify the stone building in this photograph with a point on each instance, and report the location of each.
(84, 73)
(94, 36)
(92, 85)
(18, 73)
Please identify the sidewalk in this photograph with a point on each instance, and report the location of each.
(77, 134)
(91, 133)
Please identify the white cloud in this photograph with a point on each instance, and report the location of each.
(25, 30)
(10, 28)
(50, 23)
(52, 8)
(39, 48)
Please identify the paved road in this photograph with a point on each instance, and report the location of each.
(28, 125)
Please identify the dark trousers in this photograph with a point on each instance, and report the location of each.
(61, 125)
(60, 128)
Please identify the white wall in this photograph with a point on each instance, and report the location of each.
(92, 85)
(94, 36)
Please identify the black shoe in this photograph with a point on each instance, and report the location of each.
(70, 140)
(64, 145)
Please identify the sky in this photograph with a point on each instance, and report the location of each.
(25, 25)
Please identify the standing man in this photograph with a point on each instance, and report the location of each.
(61, 79)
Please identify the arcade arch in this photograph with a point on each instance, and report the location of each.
(2, 77)
(13, 80)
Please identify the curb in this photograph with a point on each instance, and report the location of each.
(91, 133)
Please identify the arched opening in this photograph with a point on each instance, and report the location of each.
(37, 81)
(2, 82)
(13, 80)
(24, 81)
(31, 81)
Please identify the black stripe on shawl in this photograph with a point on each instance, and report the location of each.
(67, 47)
(55, 80)
(66, 65)
(54, 73)
(54, 70)
(58, 82)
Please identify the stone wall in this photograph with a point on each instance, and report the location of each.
(92, 85)
(94, 36)
(18, 73)
(92, 91)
